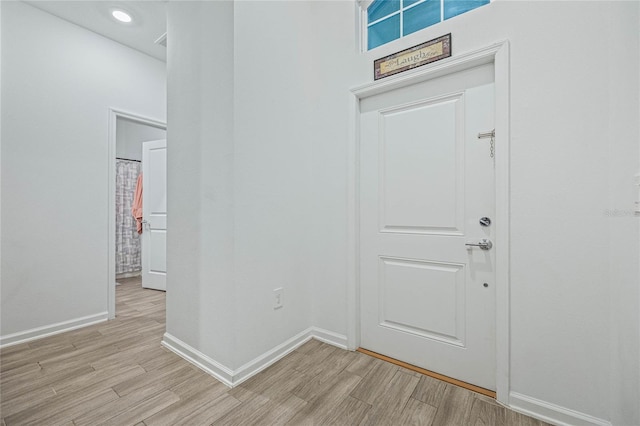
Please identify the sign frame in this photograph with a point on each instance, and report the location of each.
(413, 57)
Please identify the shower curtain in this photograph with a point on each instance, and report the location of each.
(128, 249)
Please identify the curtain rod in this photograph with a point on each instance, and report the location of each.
(127, 159)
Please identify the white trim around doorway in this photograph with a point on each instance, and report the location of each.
(114, 114)
(498, 54)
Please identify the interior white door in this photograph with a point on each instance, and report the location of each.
(154, 214)
(426, 180)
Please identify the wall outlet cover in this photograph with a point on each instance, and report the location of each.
(278, 294)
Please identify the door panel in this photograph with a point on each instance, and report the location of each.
(423, 298)
(409, 202)
(158, 255)
(425, 181)
(154, 212)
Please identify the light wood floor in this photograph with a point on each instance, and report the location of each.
(117, 373)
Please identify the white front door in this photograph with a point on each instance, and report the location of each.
(154, 214)
(426, 181)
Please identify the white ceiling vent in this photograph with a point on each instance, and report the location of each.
(162, 40)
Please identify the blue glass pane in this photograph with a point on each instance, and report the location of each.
(406, 3)
(381, 8)
(456, 7)
(384, 31)
(421, 16)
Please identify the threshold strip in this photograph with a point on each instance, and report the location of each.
(435, 375)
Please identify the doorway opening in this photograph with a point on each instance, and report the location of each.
(128, 251)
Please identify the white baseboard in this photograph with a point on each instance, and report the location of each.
(258, 364)
(233, 378)
(334, 339)
(197, 358)
(50, 330)
(552, 413)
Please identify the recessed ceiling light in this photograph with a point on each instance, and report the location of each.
(121, 16)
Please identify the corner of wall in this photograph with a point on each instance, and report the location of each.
(233, 377)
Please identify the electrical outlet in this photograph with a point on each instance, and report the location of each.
(277, 298)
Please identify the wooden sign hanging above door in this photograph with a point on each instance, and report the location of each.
(422, 54)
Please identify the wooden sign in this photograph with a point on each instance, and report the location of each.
(422, 54)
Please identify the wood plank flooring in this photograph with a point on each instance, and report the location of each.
(116, 373)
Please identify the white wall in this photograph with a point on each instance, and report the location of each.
(130, 135)
(337, 69)
(272, 180)
(200, 173)
(0, 168)
(58, 81)
(239, 180)
(623, 226)
(574, 142)
(269, 196)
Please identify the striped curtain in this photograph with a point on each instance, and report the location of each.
(128, 249)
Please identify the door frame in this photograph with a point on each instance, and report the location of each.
(498, 54)
(114, 114)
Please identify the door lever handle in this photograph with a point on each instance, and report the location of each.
(484, 244)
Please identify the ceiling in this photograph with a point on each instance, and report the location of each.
(148, 25)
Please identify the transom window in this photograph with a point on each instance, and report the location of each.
(388, 20)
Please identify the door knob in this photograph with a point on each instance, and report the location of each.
(484, 244)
